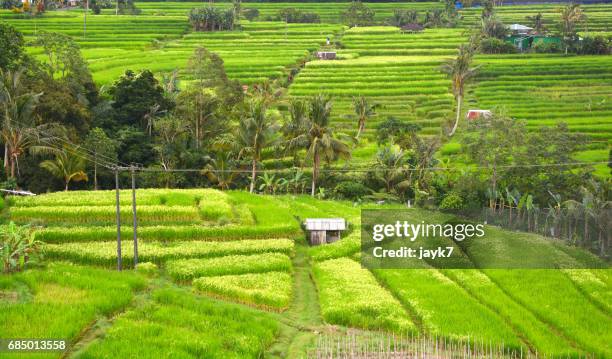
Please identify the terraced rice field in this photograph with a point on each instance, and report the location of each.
(558, 312)
(545, 90)
(114, 44)
(191, 247)
(398, 71)
(329, 12)
(598, 16)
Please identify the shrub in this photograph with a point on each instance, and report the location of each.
(147, 268)
(597, 45)
(452, 201)
(547, 48)
(293, 15)
(250, 14)
(18, 247)
(493, 45)
(351, 190)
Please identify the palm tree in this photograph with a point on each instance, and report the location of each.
(20, 130)
(221, 170)
(256, 131)
(67, 165)
(319, 138)
(537, 21)
(460, 72)
(364, 110)
(297, 124)
(237, 9)
(570, 16)
(392, 169)
(150, 116)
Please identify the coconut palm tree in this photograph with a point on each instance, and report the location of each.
(571, 15)
(537, 22)
(318, 137)
(296, 125)
(257, 130)
(20, 131)
(67, 165)
(364, 111)
(393, 170)
(221, 170)
(459, 70)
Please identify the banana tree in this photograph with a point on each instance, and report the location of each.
(269, 183)
(513, 199)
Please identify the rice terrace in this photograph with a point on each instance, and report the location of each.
(308, 179)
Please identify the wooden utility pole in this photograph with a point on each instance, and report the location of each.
(135, 220)
(119, 264)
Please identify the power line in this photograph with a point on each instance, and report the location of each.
(74, 149)
(120, 166)
(566, 164)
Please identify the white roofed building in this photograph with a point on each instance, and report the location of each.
(324, 230)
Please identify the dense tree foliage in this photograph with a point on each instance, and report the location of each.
(358, 14)
(11, 43)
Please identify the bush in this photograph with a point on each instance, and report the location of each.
(351, 190)
(18, 247)
(250, 14)
(597, 45)
(452, 201)
(293, 15)
(147, 268)
(547, 48)
(493, 45)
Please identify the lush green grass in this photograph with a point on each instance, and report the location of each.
(351, 296)
(269, 289)
(177, 324)
(521, 308)
(105, 253)
(60, 300)
(187, 269)
(164, 233)
(426, 291)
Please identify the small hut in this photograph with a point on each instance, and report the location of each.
(476, 114)
(412, 28)
(324, 230)
(518, 29)
(326, 55)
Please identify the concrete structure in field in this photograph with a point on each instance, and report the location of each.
(476, 114)
(326, 55)
(324, 230)
(411, 28)
(518, 29)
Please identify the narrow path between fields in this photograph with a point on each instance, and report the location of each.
(303, 315)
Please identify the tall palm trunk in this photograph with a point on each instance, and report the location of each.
(253, 174)
(12, 159)
(361, 127)
(6, 166)
(459, 99)
(96, 175)
(315, 173)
